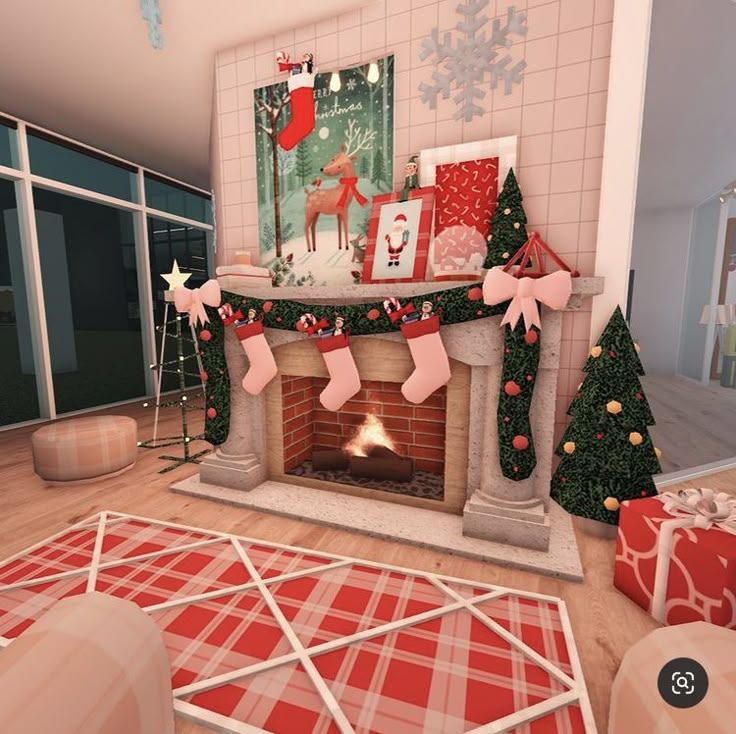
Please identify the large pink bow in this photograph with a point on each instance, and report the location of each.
(552, 290)
(194, 301)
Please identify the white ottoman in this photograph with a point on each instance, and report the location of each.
(84, 449)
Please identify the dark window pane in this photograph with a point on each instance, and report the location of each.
(188, 246)
(90, 289)
(168, 198)
(52, 160)
(8, 147)
(18, 397)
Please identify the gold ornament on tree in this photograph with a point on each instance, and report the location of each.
(614, 407)
(611, 504)
(658, 452)
(596, 352)
(507, 211)
(569, 447)
(635, 438)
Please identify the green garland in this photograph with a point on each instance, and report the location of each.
(455, 306)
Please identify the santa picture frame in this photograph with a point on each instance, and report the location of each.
(399, 232)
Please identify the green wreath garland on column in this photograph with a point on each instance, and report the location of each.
(454, 305)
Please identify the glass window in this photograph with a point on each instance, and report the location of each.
(90, 289)
(8, 146)
(167, 242)
(18, 396)
(62, 162)
(168, 197)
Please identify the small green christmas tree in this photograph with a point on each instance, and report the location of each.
(378, 174)
(364, 167)
(607, 453)
(303, 162)
(508, 224)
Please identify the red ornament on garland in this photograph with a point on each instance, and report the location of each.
(511, 388)
(475, 294)
(203, 376)
(373, 314)
(205, 335)
(267, 306)
(211, 413)
(531, 337)
(520, 443)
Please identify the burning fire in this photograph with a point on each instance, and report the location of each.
(368, 434)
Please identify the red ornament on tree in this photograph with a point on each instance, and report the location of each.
(639, 396)
(599, 436)
(531, 337)
(511, 388)
(211, 413)
(203, 376)
(520, 443)
(612, 353)
(205, 335)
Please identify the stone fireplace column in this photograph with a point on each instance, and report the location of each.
(239, 462)
(500, 509)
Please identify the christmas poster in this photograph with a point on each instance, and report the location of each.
(314, 201)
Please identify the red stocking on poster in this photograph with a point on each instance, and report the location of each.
(301, 89)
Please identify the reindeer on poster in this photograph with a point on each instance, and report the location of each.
(336, 200)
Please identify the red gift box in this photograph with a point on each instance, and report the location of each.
(676, 556)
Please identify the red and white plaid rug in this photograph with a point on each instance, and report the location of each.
(265, 637)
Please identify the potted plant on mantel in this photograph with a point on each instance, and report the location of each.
(607, 454)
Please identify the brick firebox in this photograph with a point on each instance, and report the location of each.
(417, 430)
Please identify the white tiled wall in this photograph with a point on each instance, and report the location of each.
(558, 114)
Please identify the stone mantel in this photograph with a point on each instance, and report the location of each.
(496, 508)
(366, 293)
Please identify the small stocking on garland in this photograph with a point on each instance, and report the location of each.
(515, 442)
(334, 344)
(422, 332)
(262, 365)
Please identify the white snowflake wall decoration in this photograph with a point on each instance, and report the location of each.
(471, 60)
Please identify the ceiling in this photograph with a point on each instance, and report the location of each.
(85, 68)
(688, 151)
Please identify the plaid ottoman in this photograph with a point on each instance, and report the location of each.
(93, 664)
(84, 449)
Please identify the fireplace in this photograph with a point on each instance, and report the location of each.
(265, 458)
(378, 444)
(378, 440)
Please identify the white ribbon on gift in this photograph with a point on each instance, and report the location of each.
(690, 508)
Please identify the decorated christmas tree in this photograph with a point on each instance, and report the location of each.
(607, 453)
(508, 224)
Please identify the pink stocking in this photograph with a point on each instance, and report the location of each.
(262, 365)
(432, 367)
(344, 378)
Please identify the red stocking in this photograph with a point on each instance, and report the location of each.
(301, 88)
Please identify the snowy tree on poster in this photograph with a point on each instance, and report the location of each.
(359, 115)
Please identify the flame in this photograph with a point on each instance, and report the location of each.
(368, 434)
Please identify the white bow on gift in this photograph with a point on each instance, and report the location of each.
(194, 301)
(690, 508)
(552, 290)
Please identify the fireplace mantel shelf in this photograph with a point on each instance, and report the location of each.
(328, 295)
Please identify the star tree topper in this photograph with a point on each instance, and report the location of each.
(176, 278)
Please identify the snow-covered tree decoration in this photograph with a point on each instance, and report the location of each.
(471, 60)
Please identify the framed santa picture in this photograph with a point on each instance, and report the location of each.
(398, 237)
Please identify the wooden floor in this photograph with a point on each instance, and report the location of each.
(696, 424)
(605, 622)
